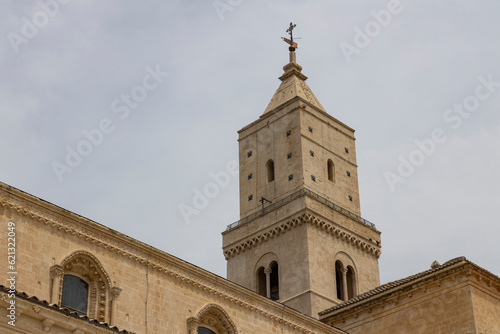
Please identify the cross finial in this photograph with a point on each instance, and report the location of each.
(290, 30)
(290, 41)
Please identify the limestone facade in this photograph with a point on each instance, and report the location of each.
(134, 287)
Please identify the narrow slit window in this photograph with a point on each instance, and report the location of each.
(270, 171)
(331, 170)
(249, 154)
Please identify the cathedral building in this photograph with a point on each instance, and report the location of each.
(301, 259)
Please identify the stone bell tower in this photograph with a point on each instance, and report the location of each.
(300, 239)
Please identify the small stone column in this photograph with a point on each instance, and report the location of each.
(268, 272)
(56, 272)
(344, 282)
(114, 293)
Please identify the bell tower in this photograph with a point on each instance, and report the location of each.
(300, 239)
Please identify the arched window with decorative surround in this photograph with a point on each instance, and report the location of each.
(267, 278)
(270, 170)
(212, 319)
(81, 284)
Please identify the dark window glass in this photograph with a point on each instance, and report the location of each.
(75, 294)
(203, 330)
(275, 282)
(339, 281)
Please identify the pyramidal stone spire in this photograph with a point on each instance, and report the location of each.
(293, 85)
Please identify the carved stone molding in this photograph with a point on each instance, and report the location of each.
(46, 324)
(85, 264)
(214, 316)
(56, 271)
(308, 219)
(114, 292)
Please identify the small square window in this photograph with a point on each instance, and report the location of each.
(289, 155)
(249, 154)
(346, 150)
(348, 173)
(289, 132)
(313, 178)
(311, 153)
(250, 197)
(350, 198)
(310, 129)
(250, 176)
(290, 177)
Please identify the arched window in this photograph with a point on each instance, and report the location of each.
(339, 280)
(270, 171)
(80, 283)
(331, 170)
(261, 282)
(275, 282)
(75, 294)
(212, 319)
(351, 283)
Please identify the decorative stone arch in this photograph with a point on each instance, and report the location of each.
(346, 283)
(102, 295)
(264, 277)
(212, 316)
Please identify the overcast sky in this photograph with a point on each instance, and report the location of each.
(169, 83)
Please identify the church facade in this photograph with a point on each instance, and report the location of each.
(301, 259)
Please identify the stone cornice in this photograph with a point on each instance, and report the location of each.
(90, 231)
(413, 287)
(289, 224)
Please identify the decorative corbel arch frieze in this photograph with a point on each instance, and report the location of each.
(212, 315)
(307, 219)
